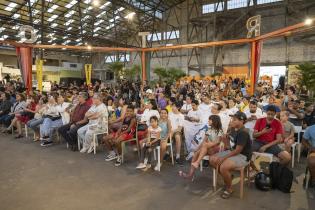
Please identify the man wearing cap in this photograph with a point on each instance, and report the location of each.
(268, 133)
(95, 115)
(238, 153)
(77, 120)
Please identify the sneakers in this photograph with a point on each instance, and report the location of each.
(110, 157)
(118, 161)
(83, 150)
(156, 168)
(46, 143)
(166, 157)
(141, 166)
(91, 149)
(179, 162)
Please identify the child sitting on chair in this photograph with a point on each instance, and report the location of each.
(153, 140)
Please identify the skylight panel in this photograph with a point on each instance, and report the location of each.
(69, 14)
(52, 8)
(10, 7)
(52, 18)
(69, 22)
(105, 5)
(15, 16)
(71, 4)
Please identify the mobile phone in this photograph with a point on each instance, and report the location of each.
(268, 126)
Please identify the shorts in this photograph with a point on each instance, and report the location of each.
(124, 137)
(239, 160)
(275, 149)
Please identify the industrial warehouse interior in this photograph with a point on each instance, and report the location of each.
(157, 104)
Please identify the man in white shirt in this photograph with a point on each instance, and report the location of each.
(177, 121)
(252, 114)
(186, 106)
(205, 109)
(96, 115)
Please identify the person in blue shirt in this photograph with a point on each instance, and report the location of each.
(309, 142)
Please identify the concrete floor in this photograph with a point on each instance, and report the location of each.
(35, 178)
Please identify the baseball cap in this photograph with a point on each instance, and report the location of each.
(240, 115)
(149, 91)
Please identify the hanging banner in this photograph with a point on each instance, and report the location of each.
(88, 73)
(255, 64)
(24, 57)
(39, 74)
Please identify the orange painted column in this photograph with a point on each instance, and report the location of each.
(144, 73)
(255, 65)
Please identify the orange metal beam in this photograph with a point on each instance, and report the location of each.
(200, 45)
(280, 31)
(81, 48)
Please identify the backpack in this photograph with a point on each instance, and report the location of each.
(281, 177)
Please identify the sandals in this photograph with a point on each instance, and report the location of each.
(226, 194)
(186, 176)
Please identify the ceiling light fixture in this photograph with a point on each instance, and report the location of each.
(95, 3)
(308, 21)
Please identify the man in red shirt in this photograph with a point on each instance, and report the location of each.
(268, 134)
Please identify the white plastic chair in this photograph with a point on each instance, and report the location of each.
(123, 145)
(99, 128)
(298, 130)
(157, 155)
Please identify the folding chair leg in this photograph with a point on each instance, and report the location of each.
(299, 152)
(201, 165)
(293, 157)
(122, 151)
(307, 177)
(94, 142)
(154, 154)
(26, 132)
(79, 144)
(159, 158)
(138, 148)
(172, 155)
(214, 179)
(242, 183)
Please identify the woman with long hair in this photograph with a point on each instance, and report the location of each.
(25, 116)
(210, 145)
(17, 108)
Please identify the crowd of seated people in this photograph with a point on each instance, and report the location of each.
(206, 118)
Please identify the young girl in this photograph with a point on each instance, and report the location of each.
(166, 128)
(210, 146)
(154, 134)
